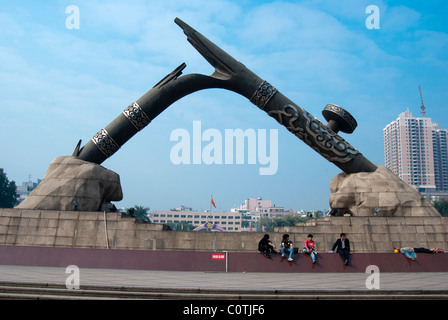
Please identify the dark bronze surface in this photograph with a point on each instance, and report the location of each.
(339, 119)
(232, 75)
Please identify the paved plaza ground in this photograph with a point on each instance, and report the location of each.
(232, 295)
(209, 280)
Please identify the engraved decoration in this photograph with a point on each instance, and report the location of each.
(137, 116)
(316, 135)
(105, 143)
(343, 114)
(263, 94)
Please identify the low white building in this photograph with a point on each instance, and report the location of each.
(230, 221)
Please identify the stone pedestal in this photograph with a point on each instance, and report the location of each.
(379, 193)
(73, 184)
(98, 230)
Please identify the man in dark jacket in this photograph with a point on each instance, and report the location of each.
(343, 247)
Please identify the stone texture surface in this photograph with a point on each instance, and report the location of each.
(69, 179)
(376, 234)
(99, 230)
(362, 193)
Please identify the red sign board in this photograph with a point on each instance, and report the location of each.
(218, 256)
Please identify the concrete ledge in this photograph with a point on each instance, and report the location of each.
(203, 261)
(96, 230)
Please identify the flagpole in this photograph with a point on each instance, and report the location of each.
(210, 212)
(211, 197)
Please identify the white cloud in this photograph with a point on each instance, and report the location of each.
(60, 85)
(399, 18)
(9, 27)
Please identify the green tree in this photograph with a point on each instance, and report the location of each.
(181, 226)
(285, 221)
(288, 221)
(442, 207)
(268, 223)
(245, 223)
(140, 212)
(8, 191)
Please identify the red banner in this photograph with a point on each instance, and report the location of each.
(218, 256)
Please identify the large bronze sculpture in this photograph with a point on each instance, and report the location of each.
(230, 74)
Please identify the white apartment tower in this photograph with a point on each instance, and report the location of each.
(415, 149)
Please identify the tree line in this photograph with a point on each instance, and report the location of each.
(9, 198)
(8, 191)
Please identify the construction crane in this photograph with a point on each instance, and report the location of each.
(422, 107)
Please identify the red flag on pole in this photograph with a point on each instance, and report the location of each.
(213, 202)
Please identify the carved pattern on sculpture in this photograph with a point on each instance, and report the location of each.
(330, 145)
(137, 116)
(263, 94)
(105, 143)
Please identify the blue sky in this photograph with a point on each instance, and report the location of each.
(59, 85)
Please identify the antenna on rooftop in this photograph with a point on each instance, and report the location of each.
(422, 107)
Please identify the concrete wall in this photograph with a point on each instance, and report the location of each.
(203, 261)
(22, 227)
(376, 234)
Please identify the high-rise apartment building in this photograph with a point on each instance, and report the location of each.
(440, 144)
(415, 149)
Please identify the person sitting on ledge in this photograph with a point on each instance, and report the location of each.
(266, 246)
(310, 247)
(343, 247)
(286, 245)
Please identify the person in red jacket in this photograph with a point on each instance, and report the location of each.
(310, 247)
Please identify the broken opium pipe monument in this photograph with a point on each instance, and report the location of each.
(363, 189)
(234, 76)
